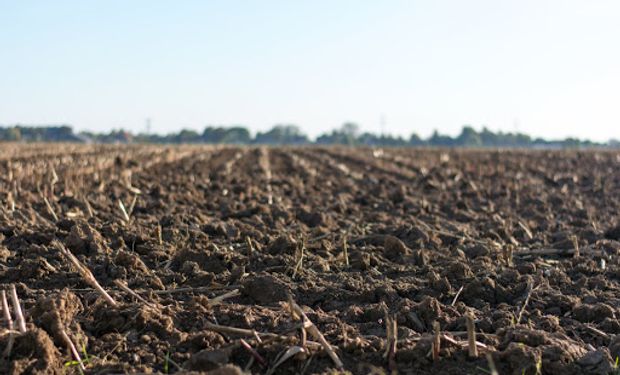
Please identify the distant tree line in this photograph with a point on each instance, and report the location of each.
(61, 133)
(288, 134)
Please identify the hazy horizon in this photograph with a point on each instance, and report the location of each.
(548, 69)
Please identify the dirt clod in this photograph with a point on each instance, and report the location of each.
(266, 289)
(33, 353)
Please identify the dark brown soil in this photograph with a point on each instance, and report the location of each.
(525, 241)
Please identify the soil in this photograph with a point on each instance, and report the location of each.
(221, 240)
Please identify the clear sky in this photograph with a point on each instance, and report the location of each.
(548, 68)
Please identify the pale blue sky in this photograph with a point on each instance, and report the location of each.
(548, 68)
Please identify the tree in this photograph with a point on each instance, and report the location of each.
(188, 136)
(415, 140)
(440, 140)
(487, 137)
(237, 135)
(469, 138)
(14, 134)
(350, 129)
(282, 134)
(233, 135)
(346, 135)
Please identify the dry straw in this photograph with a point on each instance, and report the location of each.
(471, 336)
(84, 272)
(314, 331)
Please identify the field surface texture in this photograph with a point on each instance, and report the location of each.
(224, 260)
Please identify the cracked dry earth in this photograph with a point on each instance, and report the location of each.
(225, 260)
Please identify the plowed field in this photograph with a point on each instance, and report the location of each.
(158, 259)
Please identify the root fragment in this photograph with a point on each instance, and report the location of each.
(314, 331)
(17, 309)
(436, 341)
(283, 357)
(530, 288)
(124, 211)
(9, 322)
(219, 299)
(85, 273)
(471, 337)
(492, 368)
(74, 352)
(126, 288)
(391, 326)
(253, 352)
(50, 209)
(456, 297)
